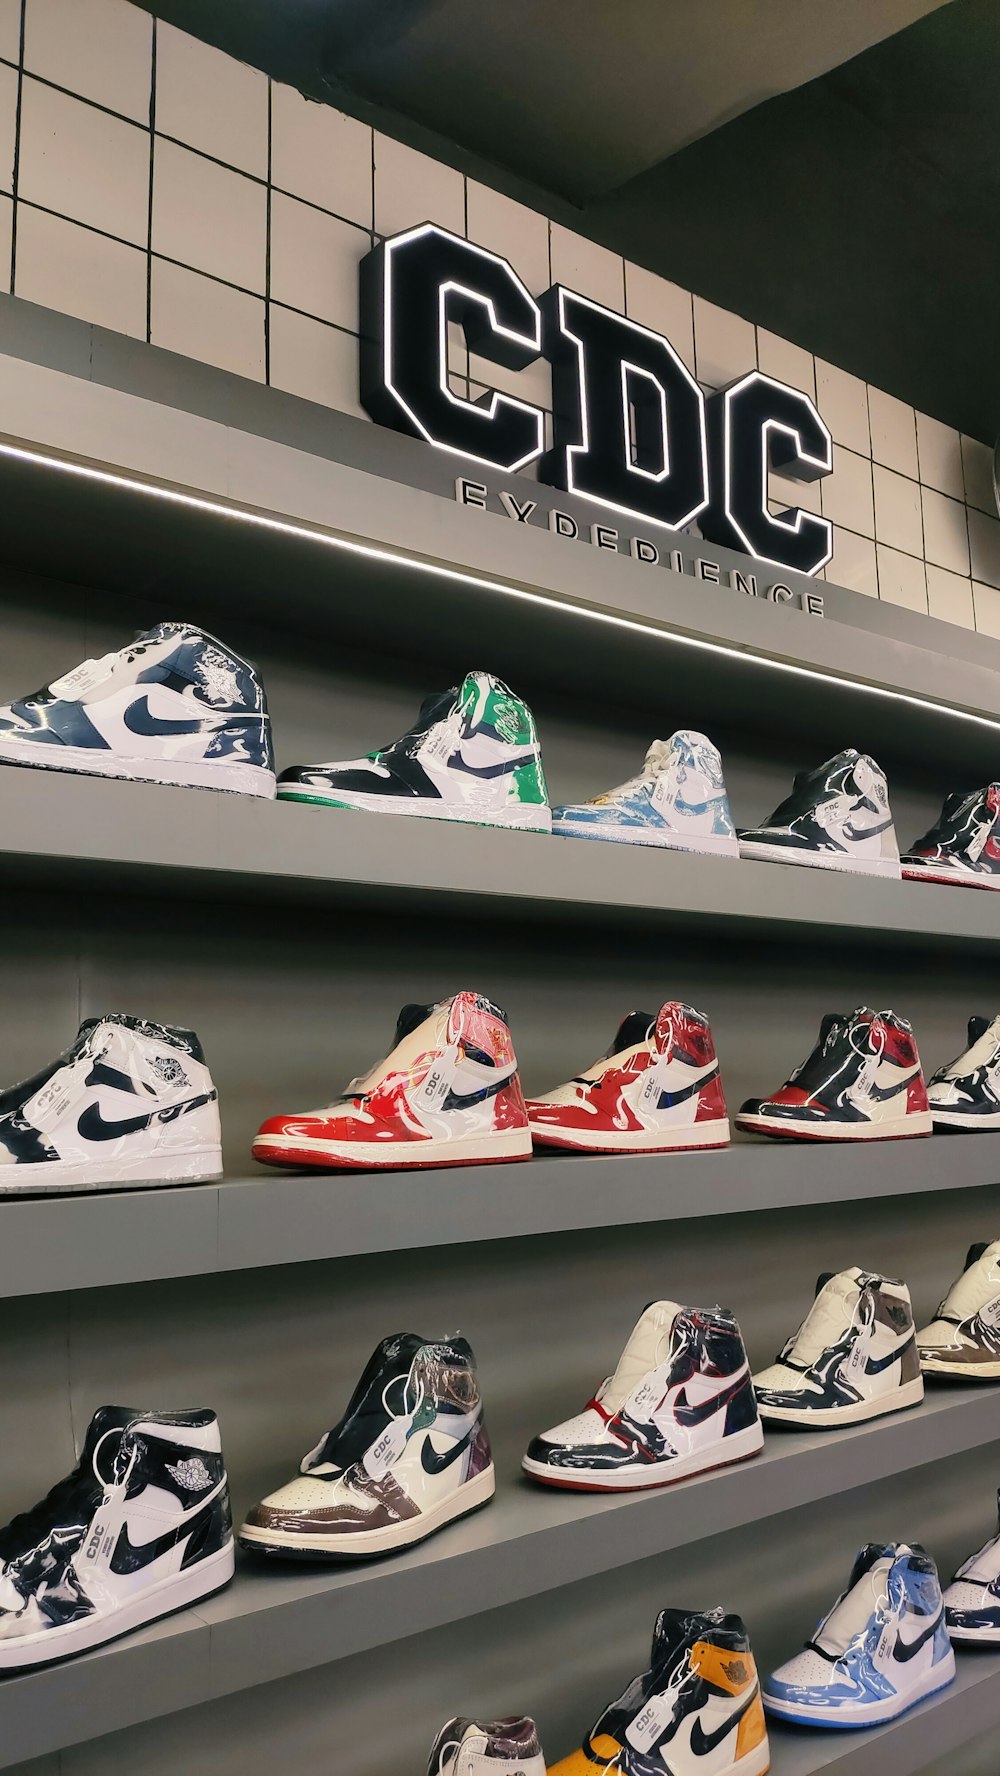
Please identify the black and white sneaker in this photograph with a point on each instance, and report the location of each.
(130, 1103)
(963, 845)
(141, 1528)
(965, 1094)
(862, 1082)
(837, 817)
(174, 707)
(854, 1356)
(472, 754)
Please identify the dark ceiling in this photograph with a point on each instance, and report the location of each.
(849, 201)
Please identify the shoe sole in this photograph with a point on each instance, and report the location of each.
(699, 1136)
(251, 780)
(949, 878)
(973, 1636)
(707, 845)
(365, 1544)
(901, 1129)
(960, 1371)
(958, 1121)
(534, 818)
(178, 1592)
(851, 1717)
(829, 1418)
(874, 866)
(413, 1156)
(750, 1442)
(61, 1177)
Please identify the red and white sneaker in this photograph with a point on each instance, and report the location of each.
(862, 1082)
(448, 1094)
(656, 1090)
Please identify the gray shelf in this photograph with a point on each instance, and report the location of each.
(273, 1621)
(56, 826)
(88, 1241)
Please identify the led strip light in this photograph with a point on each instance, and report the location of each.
(371, 552)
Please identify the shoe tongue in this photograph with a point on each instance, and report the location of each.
(367, 1414)
(834, 1020)
(978, 1027)
(826, 1320)
(632, 1030)
(646, 1348)
(657, 756)
(972, 1289)
(105, 1419)
(850, 1616)
(418, 1028)
(676, 1628)
(410, 1018)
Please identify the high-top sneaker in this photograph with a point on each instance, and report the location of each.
(965, 1094)
(140, 1528)
(448, 1094)
(695, 1712)
(972, 1600)
(498, 1748)
(882, 1648)
(963, 845)
(680, 1401)
(862, 1082)
(176, 706)
(837, 817)
(130, 1103)
(963, 1339)
(656, 1090)
(410, 1454)
(853, 1357)
(472, 754)
(677, 800)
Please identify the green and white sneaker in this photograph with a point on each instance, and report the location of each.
(472, 754)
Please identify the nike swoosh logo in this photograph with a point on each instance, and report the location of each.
(695, 1415)
(139, 719)
(667, 1099)
(907, 1649)
(93, 1127)
(503, 769)
(702, 1743)
(875, 1365)
(128, 1558)
(433, 1462)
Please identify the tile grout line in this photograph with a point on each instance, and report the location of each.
(16, 174)
(267, 245)
(149, 218)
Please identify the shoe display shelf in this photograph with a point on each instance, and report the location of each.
(287, 937)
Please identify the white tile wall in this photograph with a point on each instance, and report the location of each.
(264, 283)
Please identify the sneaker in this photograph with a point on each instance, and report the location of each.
(500, 1748)
(837, 817)
(963, 1339)
(448, 1094)
(695, 1712)
(963, 846)
(678, 800)
(679, 1403)
(882, 1648)
(130, 1103)
(175, 707)
(656, 1090)
(410, 1454)
(140, 1528)
(862, 1082)
(472, 754)
(972, 1600)
(965, 1094)
(853, 1357)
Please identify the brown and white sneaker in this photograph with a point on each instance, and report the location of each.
(410, 1454)
(963, 1339)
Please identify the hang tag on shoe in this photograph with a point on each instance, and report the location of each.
(387, 1449)
(440, 1078)
(664, 796)
(650, 1723)
(654, 1085)
(83, 678)
(644, 1399)
(854, 1368)
(989, 1313)
(45, 1111)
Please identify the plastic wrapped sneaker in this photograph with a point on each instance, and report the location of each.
(678, 800)
(472, 754)
(862, 1082)
(498, 1748)
(963, 846)
(882, 1649)
(972, 1600)
(837, 817)
(854, 1357)
(965, 1094)
(657, 1090)
(963, 1339)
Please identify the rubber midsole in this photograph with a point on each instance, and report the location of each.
(509, 1144)
(524, 816)
(198, 1166)
(738, 1447)
(861, 866)
(237, 777)
(878, 1406)
(868, 1714)
(467, 1497)
(709, 844)
(901, 1126)
(664, 1140)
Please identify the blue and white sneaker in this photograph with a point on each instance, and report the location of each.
(972, 1600)
(882, 1648)
(174, 707)
(678, 800)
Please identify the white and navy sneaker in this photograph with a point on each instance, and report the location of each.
(972, 1600)
(862, 1082)
(680, 1402)
(130, 1103)
(963, 845)
(837, 817)
(854, 1357)
(497, 1747)
(963, 1339)
(965, 1093)
(410, 1454)
(140, 1528)
(174, 707)
(472, 754)
(678, 800)
(695, 1712)
(882, 1648)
